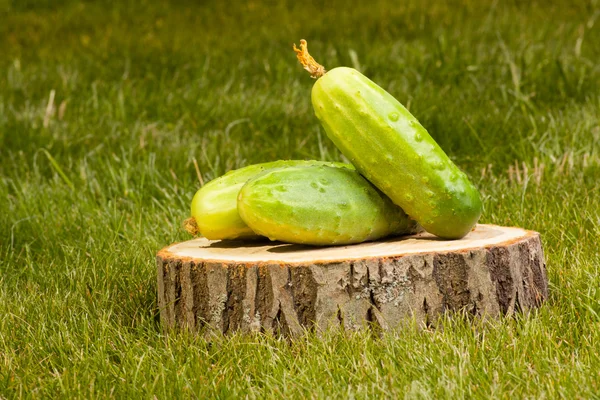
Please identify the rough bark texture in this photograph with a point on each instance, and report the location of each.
(376, 291)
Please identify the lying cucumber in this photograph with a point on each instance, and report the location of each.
(387, 144)
(319, 205)
(214, 206)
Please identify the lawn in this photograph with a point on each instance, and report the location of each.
(106, 106)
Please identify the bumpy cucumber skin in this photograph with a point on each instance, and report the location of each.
(214, 206)
(319, 205)
(387, 144)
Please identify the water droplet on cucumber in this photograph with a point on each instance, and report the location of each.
(394, 116)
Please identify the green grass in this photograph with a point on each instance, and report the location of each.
(92, 185)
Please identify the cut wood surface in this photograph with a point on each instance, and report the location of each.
(225, 286)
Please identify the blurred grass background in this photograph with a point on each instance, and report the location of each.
(104, 106)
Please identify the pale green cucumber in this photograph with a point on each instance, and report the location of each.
(319, 205)
(214, 206)
(387, 144)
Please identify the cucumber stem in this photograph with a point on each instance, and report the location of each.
(308, 62)
(191, 226)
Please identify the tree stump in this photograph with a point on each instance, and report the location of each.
(226, 286)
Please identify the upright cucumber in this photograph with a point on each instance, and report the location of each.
(387, 144)
(214, 206)
(319, 205)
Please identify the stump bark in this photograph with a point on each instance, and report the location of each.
(268, 286)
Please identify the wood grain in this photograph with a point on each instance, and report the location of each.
(231, 286)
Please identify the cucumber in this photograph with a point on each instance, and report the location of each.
(319, 205)
(387, 144)
(214, 206)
